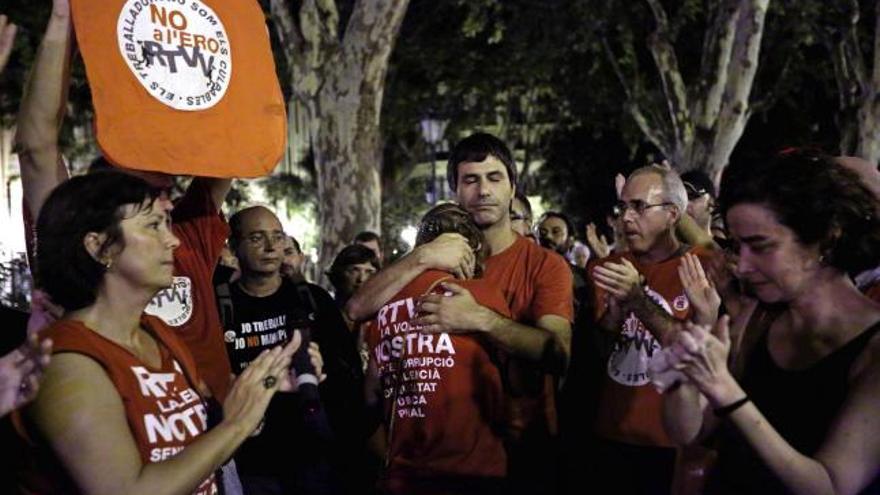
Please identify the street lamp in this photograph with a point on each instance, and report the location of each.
(433, 130)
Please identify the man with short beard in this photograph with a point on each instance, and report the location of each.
(556, 232)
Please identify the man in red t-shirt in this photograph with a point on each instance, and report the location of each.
(536, 284)
(639, 298)
(188, 305)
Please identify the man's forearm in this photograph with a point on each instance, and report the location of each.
(549, 348)
(382, 286)
(218, 188)
(660, 323)
(689, 232)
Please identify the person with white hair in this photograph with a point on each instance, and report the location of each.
(641, 300)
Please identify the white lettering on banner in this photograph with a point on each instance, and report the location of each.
(178, 50)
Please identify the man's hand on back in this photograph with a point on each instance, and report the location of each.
(450, 253)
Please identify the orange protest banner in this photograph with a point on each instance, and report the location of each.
(183, 86)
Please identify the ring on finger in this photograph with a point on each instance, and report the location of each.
(269, 381)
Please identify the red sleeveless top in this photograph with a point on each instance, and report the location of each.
(163, 408)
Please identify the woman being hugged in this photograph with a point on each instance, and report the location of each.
(798, 414)
(120, 408)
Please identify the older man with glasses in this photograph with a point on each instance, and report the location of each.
(641, 299)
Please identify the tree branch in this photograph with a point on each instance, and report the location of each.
(771, 97)
(717, 49)
(615, 66)
(661, 46)
(287, 30)
(875, 78)
(743, 66)
(653, 133)
(381, 20)
(649, 128)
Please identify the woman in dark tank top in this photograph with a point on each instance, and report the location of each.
(798, 413)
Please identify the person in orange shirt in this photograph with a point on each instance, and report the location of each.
(640, 298)
(189, 304)
(121, 409)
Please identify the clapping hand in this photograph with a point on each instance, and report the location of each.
(699, 289)
(20, 373)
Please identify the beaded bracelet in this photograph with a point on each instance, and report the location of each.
(725, 411)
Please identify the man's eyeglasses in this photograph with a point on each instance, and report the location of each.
(640, 207)
(259, 238)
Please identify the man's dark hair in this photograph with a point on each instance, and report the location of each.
(353, 254)
(452, 218)
(697, 182)
(100, 164)
(83, 204)
(569, 225)
(295, 244)
(476, 148)
(525, 201)
(368, 236)
(823, 202)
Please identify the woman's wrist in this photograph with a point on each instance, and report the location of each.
(725, 411)
(725, 392)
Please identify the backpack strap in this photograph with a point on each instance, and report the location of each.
(224, 305)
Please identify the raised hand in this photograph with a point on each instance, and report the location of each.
(456, 311)
(699, 289)
(450, 253)
(598, 244)
(703, 355)
(289, 382)
(619, 182)
(663, 372)
(61, 8)
(43, 311)
(7, 40)
(622, 280)
(255, 386)
(20, 373)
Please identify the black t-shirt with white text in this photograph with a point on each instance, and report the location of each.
(260, 323)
